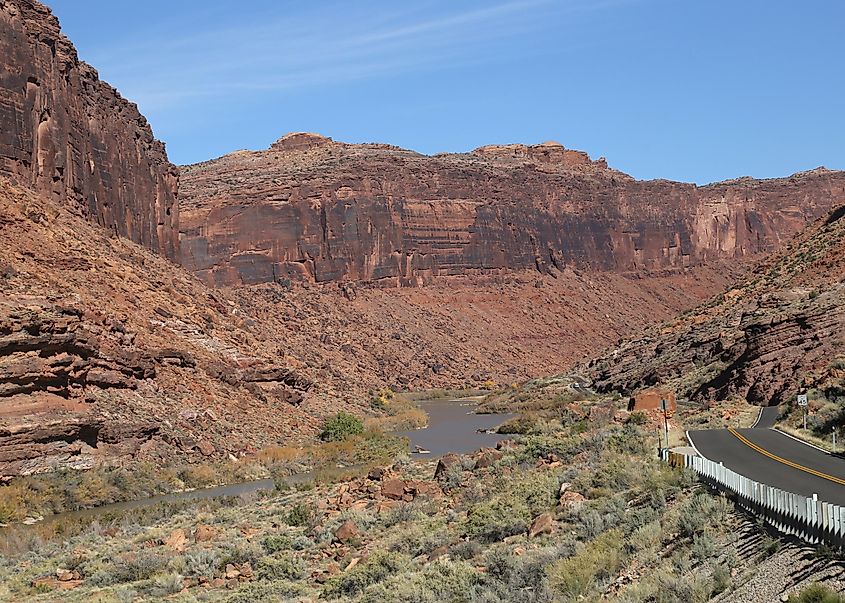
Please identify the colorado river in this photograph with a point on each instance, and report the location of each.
(453, 426)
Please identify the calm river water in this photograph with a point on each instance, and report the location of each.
(453, 426)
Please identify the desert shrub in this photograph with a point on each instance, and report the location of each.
(419, 538)
(341, 426)
(166, 584)
(595, 562)
(637, 417)
(628, 440)
(14, 502)
(703, 547)
(264, 592)
(201, 562)
(280, 567)
(524, 424)
(721, 579)
(240, 553)
(769, 546)
(299, 515)
(700, 512)
(381, 400)
(199, 476)
(465, 550)
(591, 523)
(276, 543)
(137, 566)
(817, 593)
(640, 516)
(440, 581)
(94, 489)
(615, 473)
(512, 573)
(535, 446)
(497, 518)
(451, 478)
(510, 512)
(683, 588)
(380, 566)
(646, 537)
(538, 491)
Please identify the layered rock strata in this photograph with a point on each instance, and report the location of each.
(780, 332)
(313, 209)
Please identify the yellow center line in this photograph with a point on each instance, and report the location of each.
(779, 459)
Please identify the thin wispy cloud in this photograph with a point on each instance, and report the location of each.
(327, 45)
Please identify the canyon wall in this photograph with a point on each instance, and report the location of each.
(73, 138)
(314, 209)
(776, 333)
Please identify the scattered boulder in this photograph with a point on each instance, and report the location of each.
(352, 563)
(440, 551)
(445, 464)
(376, 474)
(206, 448)
(393, 489)
(53, 583)
(572, 501)
(204, 533)
(232, 572)
(247, 572)
(65, 575)
(542, 524)
(487, 458)
(346, 532)
(177, 540)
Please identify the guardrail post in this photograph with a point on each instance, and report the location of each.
(841, 527)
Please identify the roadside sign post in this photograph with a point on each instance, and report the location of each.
(834, 440)
(664, 407)
(802, 402)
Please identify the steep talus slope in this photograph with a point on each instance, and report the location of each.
(73, 138)
(780, 330)
(309, 208)
(108, 351)
(468, 330)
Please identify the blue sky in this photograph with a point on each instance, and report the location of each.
(695, 91)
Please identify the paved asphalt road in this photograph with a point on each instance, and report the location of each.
(722, 445)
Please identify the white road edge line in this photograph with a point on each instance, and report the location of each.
(780, 431)
(691, 443)
(759, 416)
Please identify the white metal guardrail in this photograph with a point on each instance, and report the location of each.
(810, 519)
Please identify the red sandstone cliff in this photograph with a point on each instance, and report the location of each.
(314, 209)
(73, 138)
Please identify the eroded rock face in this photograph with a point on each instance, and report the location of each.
(313, 209)
(74, 139)
(109, 353)
(780, 331)
(51, 359)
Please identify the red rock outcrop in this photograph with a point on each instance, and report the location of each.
(313, 209)
(73, 138)
(780, 331)
(110, 353)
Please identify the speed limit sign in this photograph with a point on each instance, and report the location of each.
(802, 399)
